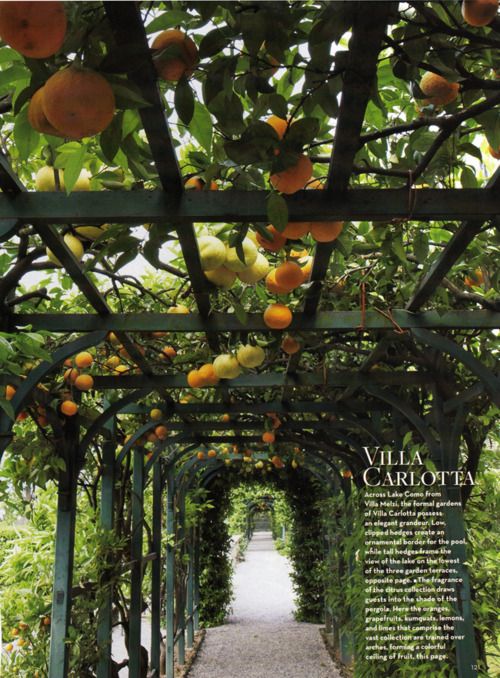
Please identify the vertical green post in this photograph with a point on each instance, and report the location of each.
(181, 610)
(104, 625)
(190, 591)
(196, 577)
(465, 643)
(156, 570)
(136, 557)
(170, 572)
(346, 640)
(64, 556)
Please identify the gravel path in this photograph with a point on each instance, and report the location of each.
(261, 638)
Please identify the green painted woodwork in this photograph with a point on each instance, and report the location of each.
(170, 571)
(134, 648)
(156, 569)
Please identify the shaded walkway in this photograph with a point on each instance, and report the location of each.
(261, 638)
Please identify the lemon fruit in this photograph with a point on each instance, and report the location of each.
(233, 261)
(250, 356)
(73, 244)
(212, 252)
(221, 277)
(226, 366)
(257, 271)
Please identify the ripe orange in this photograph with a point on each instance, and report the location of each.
(168, 352)
(37, 117)
(161, 432)
(152, 438)
(84, 382)
(268, 437)
(479, 12)
(306, 268)
(346, 473)
(438, 90)
(293, 178)
(296, 230)
(277, 462)
(78, 102)
(194, 379)
(10, 392)
(34, 29)
(198, 184)
(275, 242)
(326, 231)
(200, 455)
(279, 125)
(69, 408)
(156, 414)
(180, 57)
(475, 279)
(211, 454)
(289, 275)
(84, 359)
(277, 316)
(207, 374)
(225, 418)
(271, 284)
(71, 375)
(290, 345)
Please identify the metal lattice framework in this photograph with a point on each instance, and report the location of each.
(329, 414)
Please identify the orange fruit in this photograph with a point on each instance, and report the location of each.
(268, 437)
(275, 242)
(22, 416)
(198, 184)
(207, 374)
(84, 382)
(277, 316)
(271, 284)
(475, 279)
(194, 379)
(161, 432)
(180, 57)
(71, 375)
(152, 438)
(479, 12)
(10, 392)
(69, 408)
(306, 268)
(211, 454)
(346, 473)
(289, 275)
(34, 29)
(200, 455)
(293, 178)
(178, 309)
(78, 102)
(84, 359)
(37, 117)
(438, 90)
(155, 414)
(168, 352)
(279, 125)
(326, 231)
(290, 345)
(296, 230)
(225, 418)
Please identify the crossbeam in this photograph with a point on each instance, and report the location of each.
(330, 321)
(138, 207)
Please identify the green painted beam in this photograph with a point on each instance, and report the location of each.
(452, 252)
(266, 380)
(331, 321)
(227, 206)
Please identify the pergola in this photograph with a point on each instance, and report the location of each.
(343, 409)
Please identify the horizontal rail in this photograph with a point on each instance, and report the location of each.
(331, 321)
(426, 204)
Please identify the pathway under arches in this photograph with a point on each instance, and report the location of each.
(261, 637)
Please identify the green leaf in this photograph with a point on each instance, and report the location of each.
(6, 406)
(398, 248)
(468, 178)
(214, 42)
(201, 126)
(128, 96)
(25, 137)
(277, 211)
(169, 19)
(490, 120)
(240, 313)
(278, 105)
(111, 138)
(302, 132)
(184, 101)
(73, 167)
(421, 247)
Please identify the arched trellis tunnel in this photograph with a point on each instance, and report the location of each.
(410, 361)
